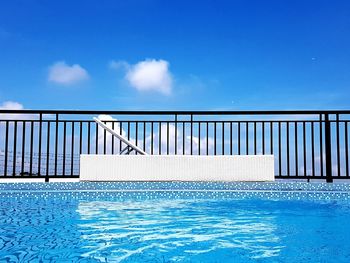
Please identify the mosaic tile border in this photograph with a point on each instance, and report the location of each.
(270, 186)
(175, 190)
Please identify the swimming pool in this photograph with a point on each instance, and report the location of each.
(175, 222)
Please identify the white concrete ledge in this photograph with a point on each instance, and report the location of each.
(176, 168)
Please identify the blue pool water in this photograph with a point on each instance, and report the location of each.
(174, 222)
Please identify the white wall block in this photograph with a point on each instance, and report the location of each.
(176, 168)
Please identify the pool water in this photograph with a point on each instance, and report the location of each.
(171, 223)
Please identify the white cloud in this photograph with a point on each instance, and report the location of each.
(147, 75)
(63, 74)
(11, 105)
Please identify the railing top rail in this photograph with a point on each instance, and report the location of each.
(185, 112)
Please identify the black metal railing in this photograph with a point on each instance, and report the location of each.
(48, 143)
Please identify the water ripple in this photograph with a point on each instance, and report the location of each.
(165, 230)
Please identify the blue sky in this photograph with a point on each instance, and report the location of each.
(204, 55)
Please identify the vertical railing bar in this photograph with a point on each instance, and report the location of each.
(214, 138)
(346, 149)
(104, 139)
(144, 136)
(263, 137)
(6, 146)
(296, 147)
(239, 138)
(279, 149)
(121, 133)
(136, 133)
(328, 148)
(287, 141)
(23, 146)
(48, 152)
(160, 138)
(40, 135)
(183, 138)
(175, 134)
(72, 151)
(112, 137)
(199, 138)
(230, 137)
(247, 137)
(14, 148)
(207, 139)
(128, 130)
(271, 137)
(313, 147)
(96, 138)
(152, 137)
(321, 145)
(338, 144)
(223, 138)
(64, 147)
(88, 137)
(31, 147)
(121, 145)
(254, 137)
(80, 137)
(56, 142)
(167, 138)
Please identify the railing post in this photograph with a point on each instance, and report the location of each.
(328, 150)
